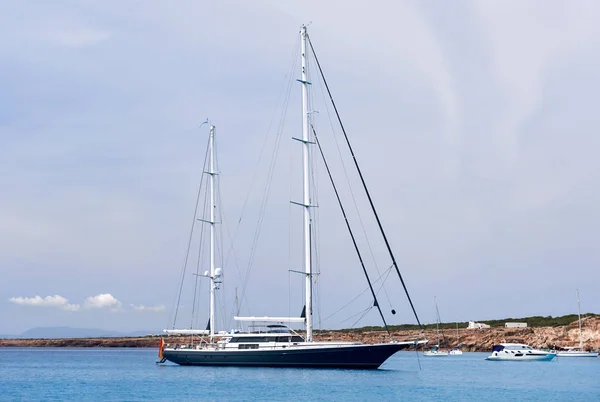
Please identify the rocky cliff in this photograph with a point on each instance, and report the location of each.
(474, 340)
(479, 340)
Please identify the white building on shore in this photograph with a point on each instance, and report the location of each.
(515, 325)
(477, 325)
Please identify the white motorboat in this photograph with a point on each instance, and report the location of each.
(573, 351)
(519, 352)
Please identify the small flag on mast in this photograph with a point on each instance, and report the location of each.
(161, 349)
(204, 122)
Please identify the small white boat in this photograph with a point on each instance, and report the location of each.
(435, 351)
(519, 352)
(456, 350)
(576, 351)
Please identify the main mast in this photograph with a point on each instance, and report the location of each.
(306, 200)
(457, 337)
(579, 319)
(437, 320)
(211, 178)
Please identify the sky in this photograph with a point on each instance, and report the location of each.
(475, 124)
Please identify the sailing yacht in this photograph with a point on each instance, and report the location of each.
(574, 351)
(435, 349)
(272, 342)
(456, 350)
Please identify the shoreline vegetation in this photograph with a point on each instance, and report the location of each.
(542, 332)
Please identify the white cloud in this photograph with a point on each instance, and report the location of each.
(103, 301)
(152, 309)
(48, 301)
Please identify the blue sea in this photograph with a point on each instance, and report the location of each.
(82, 374)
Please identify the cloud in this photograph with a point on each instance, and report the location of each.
(102, 301)
(152, 309)
(48, 301)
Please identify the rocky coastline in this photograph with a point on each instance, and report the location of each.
(472, 340)
(482, 340)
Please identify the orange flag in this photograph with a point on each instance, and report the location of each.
(161, 348)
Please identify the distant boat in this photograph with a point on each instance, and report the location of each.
(456, 350)
(435, 349)
(574, 351)
(519, 352)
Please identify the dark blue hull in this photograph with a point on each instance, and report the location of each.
(351, 356)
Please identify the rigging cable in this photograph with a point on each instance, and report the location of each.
(417, 353)
(375, 303)
(201, 250)
(220, 239)
(361, 313)
(356, 208)
(187, 254)
(353, 300)
(266, 192)
(365, 187)
(439, 321)
(315, 217)
(284, 90)
(363, 316)
(223, 220)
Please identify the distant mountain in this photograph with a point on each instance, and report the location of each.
(68, 332)
(4, 336)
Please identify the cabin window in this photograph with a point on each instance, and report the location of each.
(248, 339)
(255, 339)
(289, 338)
(248, 346)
